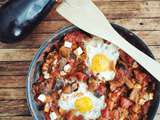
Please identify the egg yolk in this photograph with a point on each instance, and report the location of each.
(100, 63)
(83, 104)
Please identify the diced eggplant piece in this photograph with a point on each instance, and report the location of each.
(62, 63)
(73, 56)
(65, 52)
(59, 84)
(75, 86)
(97, 94)
(101, 90)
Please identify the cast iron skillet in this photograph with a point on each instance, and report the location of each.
(34, 69)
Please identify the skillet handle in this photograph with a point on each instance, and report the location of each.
(19, 17)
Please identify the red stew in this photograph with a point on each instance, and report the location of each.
(127, 97)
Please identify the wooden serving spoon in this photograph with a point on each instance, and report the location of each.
(85, 15)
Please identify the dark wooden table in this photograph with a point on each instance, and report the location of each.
(140, 16)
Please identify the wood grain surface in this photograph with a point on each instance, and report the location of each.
(140, 16)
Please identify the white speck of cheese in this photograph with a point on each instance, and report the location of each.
(67, 68)
(68, 44)
(150, 96)
(46, 75)
(78, 51)
(42, 97)
(53, 116)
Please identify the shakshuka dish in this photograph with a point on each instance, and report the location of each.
(84, 77)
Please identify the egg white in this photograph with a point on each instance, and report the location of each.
(67, 102)
(97, 46)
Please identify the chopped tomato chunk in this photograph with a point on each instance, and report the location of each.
(125, 103)
(81, 76)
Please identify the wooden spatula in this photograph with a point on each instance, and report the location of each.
(85, 15)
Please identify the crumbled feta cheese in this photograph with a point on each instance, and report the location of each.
(78, 51)
(62, 73)
(42, 97)
(68, 44)
(67, 68)
(45, 72)
(151, 96)
(53, 116)
(46, 75)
